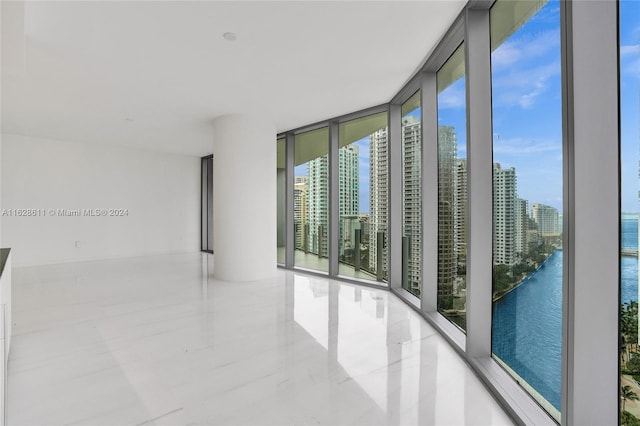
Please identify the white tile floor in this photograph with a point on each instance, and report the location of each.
(157, 341)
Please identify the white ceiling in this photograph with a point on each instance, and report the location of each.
(154, 74)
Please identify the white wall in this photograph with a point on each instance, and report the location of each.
(244, 198)
(161, 192)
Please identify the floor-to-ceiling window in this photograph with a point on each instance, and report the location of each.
(452, 189)
(412, 195)
(363, 194)
(311, 199)
(528, 195)
(630, 144)
(206, 204)
(532, 162)
(281, 182)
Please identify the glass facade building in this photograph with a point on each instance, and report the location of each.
(412, 195)
(452, 190)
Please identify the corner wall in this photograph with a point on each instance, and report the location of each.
(160, 192)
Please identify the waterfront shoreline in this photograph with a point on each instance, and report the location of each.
(525, 279)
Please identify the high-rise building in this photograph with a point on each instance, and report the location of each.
(447, 263)
(349, 203)
(349, 195)
(318, 200)
(364, 227)
(460, 207)
(504, 203)
(560, 220)
(300, 210)
(521, 226)
(378, 199)
(348, 206)
(412, 201)
(546, 217)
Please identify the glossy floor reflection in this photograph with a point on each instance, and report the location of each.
(157, 341)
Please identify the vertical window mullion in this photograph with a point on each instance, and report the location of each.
(480, 205)
(334, 198)
(429, 294)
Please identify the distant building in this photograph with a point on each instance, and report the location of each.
(363, 218)
(412, 200)
(318, 201)
(379, 199)
(521, 226)
(349, 195)
(504, 204)
(447, 262)
(460, 207)
(560, 219)
(546, 217)
(300, 210)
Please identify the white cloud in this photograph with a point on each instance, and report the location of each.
(452, 97)
(523, 147)
(630, 59)
(505, 55)
(528, 99)
(523, 86)
(523, 66)
(524, 49)
(629, 50)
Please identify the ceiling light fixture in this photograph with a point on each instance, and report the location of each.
(230, 36)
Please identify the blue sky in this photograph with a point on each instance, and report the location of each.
(527, 106)
(630, 102)
(527, 109)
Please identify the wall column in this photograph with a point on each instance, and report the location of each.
(591, 214)
(244, 198)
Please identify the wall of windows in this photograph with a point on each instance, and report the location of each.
(363, 171)
(452, 190)
(630, 146)
(525, 176)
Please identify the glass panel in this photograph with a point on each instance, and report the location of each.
(630, 144)
(411, 195)
(206, 204)
(204, 185)
(527, 195)
(363, 178)
(281, 183)
(452, 190)
(311, 199)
